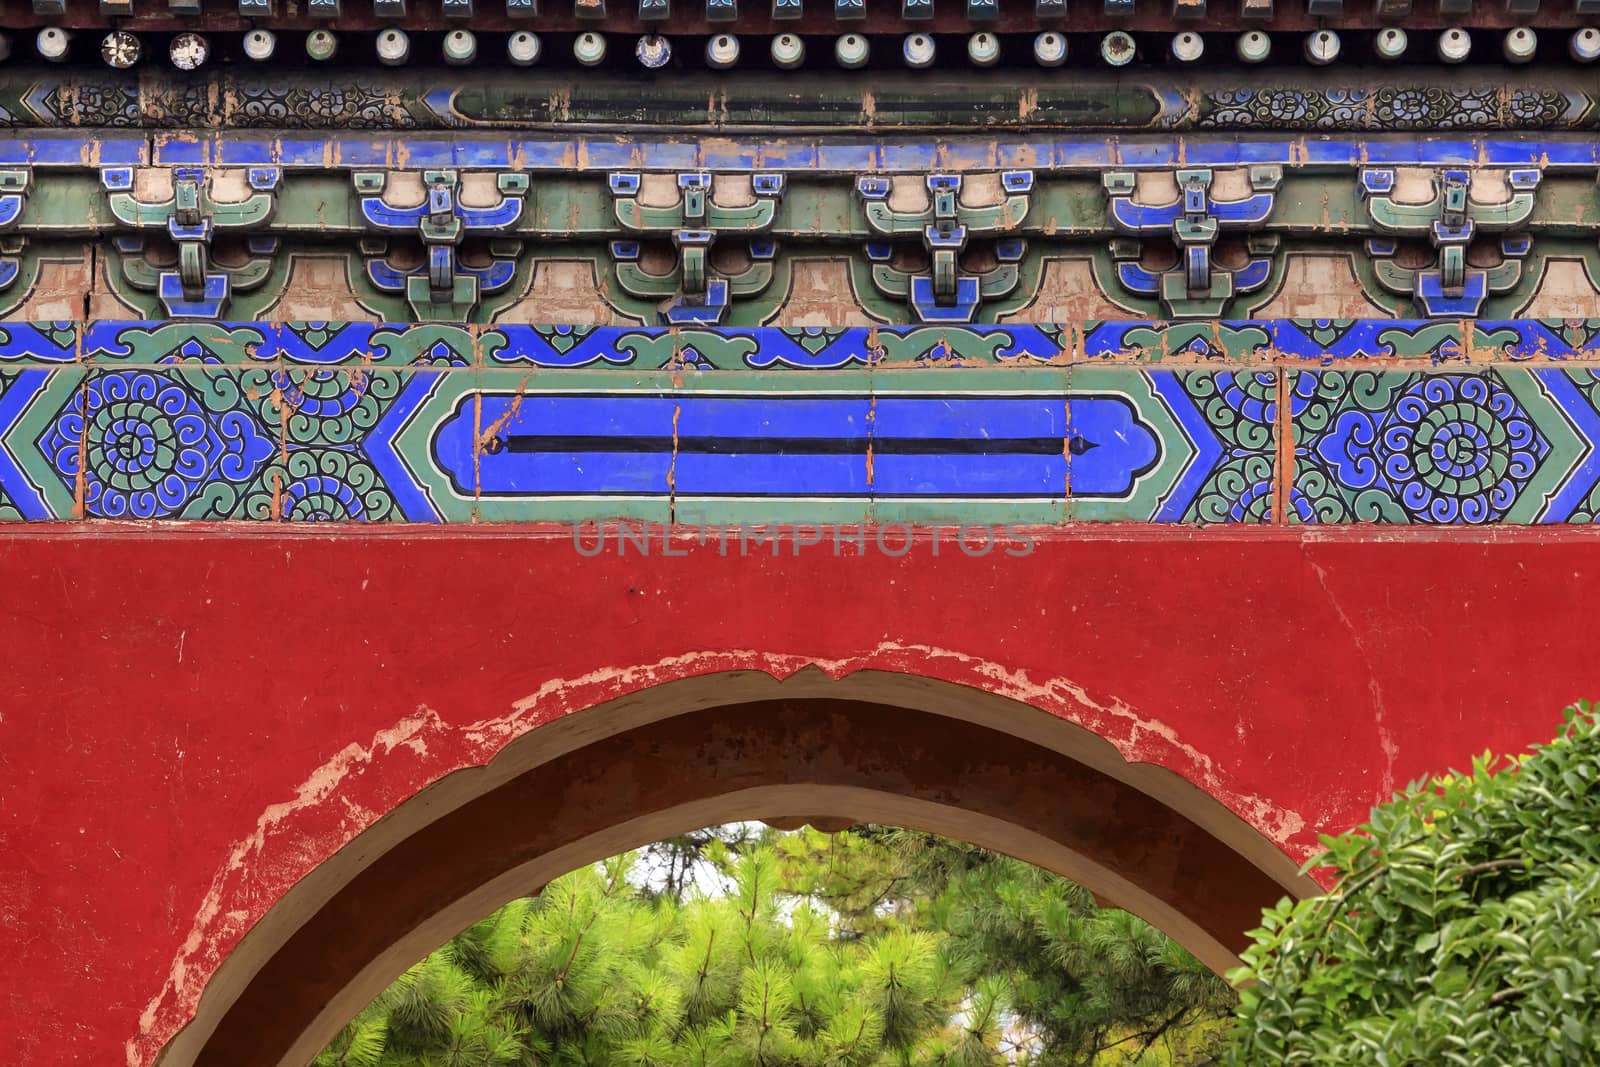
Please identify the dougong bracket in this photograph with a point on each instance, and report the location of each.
(946, 292)
(1451, 221)
(1196, 287)
(192, 216)
(443, 288)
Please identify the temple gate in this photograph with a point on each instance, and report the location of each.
(441, 445)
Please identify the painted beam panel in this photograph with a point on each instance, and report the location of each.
(1266, 421)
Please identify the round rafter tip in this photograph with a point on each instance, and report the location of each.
(788, 51)
(919, 51)
(1322, 47)
(722, 51)
(653, 51)
(52, 43)
(321, 45)
(394, 47)
(460, 47)
(1584, 45)
(120, 49)
(1050, 49)
(589, 48)
(851, 51)
(259, 45)
(983, 49)
(1253, 47)
(189, 51)
(523, 48)
(1391, 43)
(1520, 44)
(1455, 45)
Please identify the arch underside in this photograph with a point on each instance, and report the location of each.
(592, 785)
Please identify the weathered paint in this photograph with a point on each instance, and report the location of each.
(195, 720)
(219, 741)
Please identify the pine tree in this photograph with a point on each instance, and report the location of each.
(738, 948)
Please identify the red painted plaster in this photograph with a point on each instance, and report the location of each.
(191, 720)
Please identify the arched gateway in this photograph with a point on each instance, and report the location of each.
(255, 774)
(1134, 436)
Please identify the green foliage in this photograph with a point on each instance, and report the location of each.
(733, 947)
(1094, 985)
(1465, 927)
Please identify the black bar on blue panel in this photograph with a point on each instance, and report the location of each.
(1049, 9)
(653, 10)
(522, 9)
(981, 10)
(787, 9)
(916, 9)
(722, 10)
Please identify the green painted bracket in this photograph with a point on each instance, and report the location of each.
(193, 265)
(430, 305)
(945, 204)
(1402, 281)
(992, 284)
(696, 209)
(1450, 204)
(14, 186)
(891, 282)
(191, 202)
(1181, 302)
(636, 281)
(1450, 288)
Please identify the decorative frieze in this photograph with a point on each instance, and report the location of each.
(1329, 100)
(1263, 421)
(1401, 228)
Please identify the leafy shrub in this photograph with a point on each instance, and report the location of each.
(1464, 929)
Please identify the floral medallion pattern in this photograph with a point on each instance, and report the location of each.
(1410, 448)
(149, 444)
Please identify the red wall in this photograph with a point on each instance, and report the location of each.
(191, 720)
